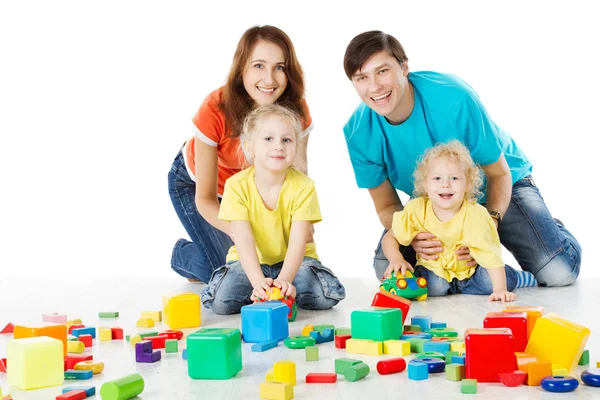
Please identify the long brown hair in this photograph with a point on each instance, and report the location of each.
(237, 103)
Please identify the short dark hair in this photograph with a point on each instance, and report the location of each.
(367, 44)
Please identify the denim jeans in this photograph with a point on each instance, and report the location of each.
(229, 289)
(209, 246)
(478, 283)
(540, 244)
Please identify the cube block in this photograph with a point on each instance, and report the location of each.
(35, 362)
(265, 321)
(376, 324)
(214, 353)
(182, 311)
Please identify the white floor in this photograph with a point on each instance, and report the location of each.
(22, 301)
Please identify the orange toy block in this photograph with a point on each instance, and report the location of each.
(54, 331)
(536, 371)
(523, 359)
(8, 328)
(533, 313)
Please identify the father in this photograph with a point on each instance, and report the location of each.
(404, 113)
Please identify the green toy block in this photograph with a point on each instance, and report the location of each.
(111, 314)
(72, 339)
(343, 331)
(127, 338)
(341, 364)
(413, 328)
(585, 358)
(456, 372)
(443, 332)
(171, 346)
(312, 353)
(468, 386)
(416, 344)
(376, 323)
(320, 328)
(146, 334)
(449, 355)
(431, 354)
(214, 353)
(356, 372)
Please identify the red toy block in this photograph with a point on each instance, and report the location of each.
(516, 321)
(172, 334)
(340, 341)
(391, 366)
(72, 395)
(388, 300)
(3, 365)
(321, 377)
(441, 339)
(512, 379)
(9, 328)
(76, 326)
(489, 352)
(73, 359)
(117, 333)
(86, 339)
(158, 342)
(411, 333)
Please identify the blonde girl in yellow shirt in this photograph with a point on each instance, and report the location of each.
(271, 206)
(447, 186)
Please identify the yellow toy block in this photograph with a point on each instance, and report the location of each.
(597, 364)
(533, 314)
(559, 370)
(536, 371)
(364, 346)
(75, 321)
(155, 315)
(270, 377)
(134, 339)
(458, 346)
(105, 334)
(284, 371)
(144, 323)
(95, 366)
(58, 332)
(35, 362)
(307, 329)
(396, 347)
(182, 311)
(276, 391)
(75, 347)
(556, 340)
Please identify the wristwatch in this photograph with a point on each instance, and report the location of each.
(496, 216)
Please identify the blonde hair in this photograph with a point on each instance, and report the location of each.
(253, 122)
(452, 151)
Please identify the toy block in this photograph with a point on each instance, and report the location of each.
(73, 359)
(377, 324)
(430, 354)
(89, 390)
(440, 347)
(71, 322)
(75, 347)
(559, 370)
(263, 322)
(416, 335)
(435, 325)
(585, 358)
(105, 334)
(356, 372)
(424, 321)
(448, 356)
(434, 365)
(321, 377)
(340, 341)
(156, 316)
(363, 346)
(116, 333)
(72, 395)
(276, 391)
(148, 334)
(489, 352)
(396, 347)
(322, 337)
(264, 346)
(388, 300)
(58, 332)
(158, 342)
(144, 353)
(214, 353)
(321, 328)
(441, 339)
(74, 326)
(8, 328)
(417, 371)
(597, 364)
(468, 386)
(108, 314)
(559, 384)
(536, 371)
(184, 354)
(343, 331)
(35, 362)
(391, 366)
(591, 377)
(182, 311)
(558, 341)
(412, 328)
(90, 330)
(3, 365)
(95, 366)
(307, 329)
(516, 321)
(458, 360)
(145, 323)
(443, 332)
(85, 339)
(512, 379)
(533, 314)
(285, 371)
(311, 353)
(455, 372)
(172, 346)
(341, 364)
(172, 334)
(124, 388)
(78, 374)
(55, 318)
(299, 342)
(458, 346)
(416, 344)
(269, 377)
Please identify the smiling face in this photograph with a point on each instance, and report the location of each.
(264, 78)
(273, 144)
(446, 183)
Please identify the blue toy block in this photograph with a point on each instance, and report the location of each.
(440, 347)
(89, 390)
(88, 330)
(184, 354)
(417, 371)
(434, 364)
(78, 374)
(266, 321)
(264, 346)
(423, 335)
(325, 336)
(424, 321)
(458, 360)
(438, 325)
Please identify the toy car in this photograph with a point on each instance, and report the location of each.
(275, 295)
(406, 286)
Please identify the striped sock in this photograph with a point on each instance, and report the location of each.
(525, 279)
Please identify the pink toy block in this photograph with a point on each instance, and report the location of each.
(55, 318)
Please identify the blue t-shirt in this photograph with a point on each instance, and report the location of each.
(445, 108)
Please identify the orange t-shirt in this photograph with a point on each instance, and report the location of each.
(209, 127)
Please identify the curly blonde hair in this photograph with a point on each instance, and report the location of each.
(452, 151)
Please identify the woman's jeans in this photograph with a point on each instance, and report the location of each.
(209, 246)
(539, 243)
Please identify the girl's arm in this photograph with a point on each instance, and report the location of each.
(246, 249)
(500, 293)
(391, 250)
(293, 257)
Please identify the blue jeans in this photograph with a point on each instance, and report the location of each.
(478, 283)
(540, 244)
(209, 246)
(229, 289)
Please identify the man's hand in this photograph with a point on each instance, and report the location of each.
(425, 247)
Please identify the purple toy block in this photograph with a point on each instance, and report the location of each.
(144, 353)
(145, 346)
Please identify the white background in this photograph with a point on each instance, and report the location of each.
(96, 98)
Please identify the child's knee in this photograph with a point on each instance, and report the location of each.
(317, 288)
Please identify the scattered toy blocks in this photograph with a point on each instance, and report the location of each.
(35, 362)
(388, 300)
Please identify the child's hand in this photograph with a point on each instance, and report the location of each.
(503, 296)
(287, 289)
(261, 288)
(401, 266)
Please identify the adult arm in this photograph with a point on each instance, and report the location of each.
(499, 186)
(386, 201)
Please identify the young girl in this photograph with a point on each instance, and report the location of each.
(447, 186)
(271, 207)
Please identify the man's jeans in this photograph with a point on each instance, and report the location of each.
(540, 244)
(209, 246)
(229, 289)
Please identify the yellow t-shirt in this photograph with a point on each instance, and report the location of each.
(472, 226)
(271, 229)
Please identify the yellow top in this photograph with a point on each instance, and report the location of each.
(472, 226)
(271, 229)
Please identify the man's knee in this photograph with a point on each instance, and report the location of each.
(562, 270)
